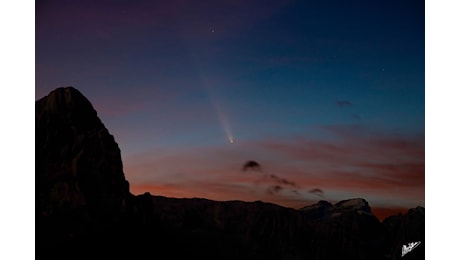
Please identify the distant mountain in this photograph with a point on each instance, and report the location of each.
(84, 208)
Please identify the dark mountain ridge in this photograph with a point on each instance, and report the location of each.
(84, 208)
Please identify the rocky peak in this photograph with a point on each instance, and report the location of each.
(357, 205)
(65, 99)
(78, 163)
(324, 209)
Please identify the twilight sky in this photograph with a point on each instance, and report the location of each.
(327, 97)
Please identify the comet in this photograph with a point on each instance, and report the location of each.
(220, 114)
(224, 122)
(212, 95)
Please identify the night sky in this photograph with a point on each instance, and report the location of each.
(328, 97)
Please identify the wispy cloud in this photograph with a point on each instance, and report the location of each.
(356, 116)
(282, 181)
(343, 103)
(274, 189)
(276, 183)
(317, 192)
(252, 165)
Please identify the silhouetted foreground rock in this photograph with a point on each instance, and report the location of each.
(80, 185)
(84, 209)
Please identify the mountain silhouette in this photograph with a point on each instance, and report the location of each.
(84, 209)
